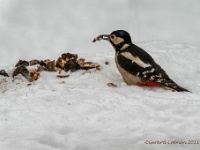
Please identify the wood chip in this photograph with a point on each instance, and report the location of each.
(39, 68)
(62, 76)
(3, 73)
(34, 62)
(60, 71)
(34, 75)
(22, 62)
(60, 63)
(72, 66)
(111, 84)
(68, 56)
(21, 69)
(98, 68)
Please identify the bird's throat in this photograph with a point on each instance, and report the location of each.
(120, 47)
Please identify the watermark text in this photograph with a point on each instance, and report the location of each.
(150, 142)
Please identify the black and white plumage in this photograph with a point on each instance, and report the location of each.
(136, 66)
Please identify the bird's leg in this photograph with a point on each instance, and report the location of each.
(101, 37)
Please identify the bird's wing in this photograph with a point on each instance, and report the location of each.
(146, 70)
(136, 66)
(135, 59)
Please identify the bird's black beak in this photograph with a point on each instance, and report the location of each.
(101, 37)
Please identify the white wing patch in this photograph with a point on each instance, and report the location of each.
(136, 59)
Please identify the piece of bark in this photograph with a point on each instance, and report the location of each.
(72, 66)
(111, 84)
(51, 66)
(48, 65)
(39, 68)
(60, 63)
(98, 68)
(34, 62)
(88, 65)
(22, 62)
(34, 75)
(67, 56)
(62, 76)
(21, 70)
(3, 73)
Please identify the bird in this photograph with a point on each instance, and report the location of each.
(135, 65)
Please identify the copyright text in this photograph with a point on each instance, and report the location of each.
(150, 142)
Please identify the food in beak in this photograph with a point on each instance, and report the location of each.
(101, 37)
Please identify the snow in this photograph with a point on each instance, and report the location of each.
(81, 112)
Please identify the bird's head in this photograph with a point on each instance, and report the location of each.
(119, 39)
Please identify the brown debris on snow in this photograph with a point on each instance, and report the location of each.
(60, 63)
(22, 62)
(72, 66)
(66, 62)
(111, 84)
(39, 68)
(50, 66)
(3, 73)
(29, 75)
(68, 56)
(69, 61)
(88, 65)
(98, 68)
(62, 76)
(47, 65)
(21, 69)
(34, 62)
(107, 63)
(34, 75)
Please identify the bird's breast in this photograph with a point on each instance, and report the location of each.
(128, 77)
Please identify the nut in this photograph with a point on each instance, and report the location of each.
(34, 62)
(34, 75)
(60, 63)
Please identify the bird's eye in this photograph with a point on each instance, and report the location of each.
(112, 36)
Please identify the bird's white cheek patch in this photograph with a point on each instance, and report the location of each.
(117, 40)
(136, 59)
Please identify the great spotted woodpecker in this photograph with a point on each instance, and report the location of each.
(136, 66)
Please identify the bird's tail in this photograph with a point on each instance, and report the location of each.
(171, 85)
(181, 89)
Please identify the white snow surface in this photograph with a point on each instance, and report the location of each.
(81, 112)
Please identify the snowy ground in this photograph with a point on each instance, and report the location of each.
(82, 113)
